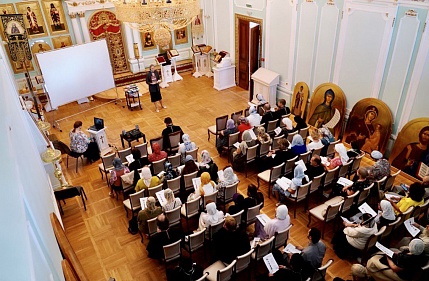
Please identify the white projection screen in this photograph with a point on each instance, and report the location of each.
(76, 72)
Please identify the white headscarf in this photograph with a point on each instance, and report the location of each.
(282, 212)
(288, 123)
(230, 177)
(213, 215)
(387, 210)
(342, 151)
(205, 157)
(146, 175)
(297, 140)
(187, 142)
(416, 246)
(252, 110)
(298, 175)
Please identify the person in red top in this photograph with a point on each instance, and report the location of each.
(157, 154)
(243, 126)
(115, 176)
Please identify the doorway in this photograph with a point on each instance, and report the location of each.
(248, 40)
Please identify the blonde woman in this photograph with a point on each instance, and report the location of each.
(172, 202)
(316, 143)
(207, 186)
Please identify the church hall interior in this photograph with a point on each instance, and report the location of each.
(356, 68)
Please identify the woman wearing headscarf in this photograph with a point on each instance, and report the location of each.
(189, 168)
(402, 266)
(353, 237)
(229, 177)
(223, 135)
(115, 175)
(239, 155)
(147, 180)
(300, 123)
(170, 173)
(298, 146)
(157, 154)
(172, 202)
(387, 214)
(327, 138)
(341, 159)
(208, 165)
(151, 211)
(254, 117)
(244, 125)
(278, 224)
(187, 145)
(207, 186)
(299, 178)
(238, 200)
(212, 216)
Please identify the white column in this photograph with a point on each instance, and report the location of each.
(84, 26)
(129, 41)
(136, 39)
(76, 30)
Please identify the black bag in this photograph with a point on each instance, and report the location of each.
(185, 271)
(133, 227)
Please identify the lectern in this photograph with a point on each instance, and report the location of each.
(101, 139)
(265, 83)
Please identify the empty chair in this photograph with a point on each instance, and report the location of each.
(174, 139)
(250, 156)
(158, 166)
(403, 217)
(133, 202)
(386, 235)
(390, 181)
(188, 180)
(304, 132)
(219, 272)
(172, 251)
(194, 241)
(191, 209)
(320, 273)
(348, 201)
(305, 157)
(174, 216)
(64, 148)
(218, 127)
(227, 194)
(422, 209)
(280, 238)
(330, 176)
(316, 183)
(270, 176)
(213, 229)
(344, 169)
(331, 148)
(316, 152)
(356, 164)
(152, 227)
(153, 190)
(246, 112)
(124, 153)
(380, 187)
(250, 216)
(106, 165)
(159, 140)
(126, 178)
(236, 115)
(272, 125)
(302, 193)
(193, 153)
(174, 160)
(143, 149)
(174, 185)
(290, 165)
(325, 213)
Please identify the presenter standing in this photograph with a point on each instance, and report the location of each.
(152, 79)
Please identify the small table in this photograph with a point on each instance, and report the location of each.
(132, 135)
(70, 192)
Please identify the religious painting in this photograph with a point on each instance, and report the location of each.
(18, 66)
(299, 99)
(181, 36)
(370, 125)
(34, 22)
(197, 26)
(54, 15)
(327, 108)
(6, 9)
(40, 46)
(62, 41)
(147, 41)
(410, 152)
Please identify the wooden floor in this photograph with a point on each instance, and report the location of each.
(99, 235)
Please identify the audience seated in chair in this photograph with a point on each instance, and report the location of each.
(238, 156)
(212, 216)
(187, 145)
(300, 123)
(229, 177)
(381, 167)
(282, 155)
(387, 214)
(359, 185)
(315, 167)
(115, 175)
(208, 165)
(299, 179)
(358, 273)
(298, 146)
(355, 150)
(170, 128)
(238, 205)
(170, 173)
(138, 163)
(340, 159)
(244, 125)
(315, 250)
(223, 135)
(172, 202)
(297, 270)
(80, 143)
(262, 136)
(207, 186)
(254, 117)
(281, 109)
(254, 197)
(157, 154)
(147, 180)
(316, 143)
(327, 138)
(151, 211)
(268, 115)
(415, 196)
(279, 223)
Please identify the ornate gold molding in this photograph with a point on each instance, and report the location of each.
(411, 13)
(81, 14)
(331, 2)
(72, 15)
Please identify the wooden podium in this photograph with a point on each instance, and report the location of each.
(224, 77)
(265, 83)
(100, 138)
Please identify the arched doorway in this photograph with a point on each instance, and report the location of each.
(102, 25)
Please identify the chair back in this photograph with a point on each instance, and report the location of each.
(127, 186)
(333, 210)
(236, 115)
(174, 185)
(302, 191)
(356, 163)
(316, 152)
(232, 138)
(304, 132)
(135, 199)
(260, 109)
(290, 165)
(349, 200)
(320, 273)
(390, 181)
(290, 136)
(159, 140)
(373, 239)
(246, 112)
(123, 153)
(264, 248)
(282, 125)
(193, 153)
(172, 251)
(173, 216)
(152, 227)
(281, 237)
(305, 156)
(188, 179)
(107, 161)
(389, 228)
(380, 183)
(275, 144)
(158, 166)
(265, 148)
(174, 139)
(153, 190)
(252, 213)
(196, 240)
(237, 217)
(420, 209)
(221, 123)
(229, 191)
(315, 183)
(330, 176)
(276, 172)
(255, 128)
(215, 228)
(272, 125)
(243, 261)
(227, 272)
(404, 216)
(331, 148)
(211, 197)
(174, 160)
(192, 207)
(344, 169)
(142, 148)
(364, 194)
(251, 153)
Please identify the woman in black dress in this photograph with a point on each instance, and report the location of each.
(152, 78)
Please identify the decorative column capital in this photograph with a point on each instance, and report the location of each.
(72, 15)
(81, 14)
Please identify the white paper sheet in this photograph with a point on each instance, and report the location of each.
(161, 197)
(220, 175)
(254, 242)
(284, 183)
(366, 209)
(143, 202)
(291, 249)
(410, 227)
(263, 218)
(271, 263)
(389, 196)
(346, 220)
(344, 181)
(385, 250)
(301, 163)
(277, 130)
(130, 158)
(236, 145)
(252, 134)
(324, 160)
(196, 182)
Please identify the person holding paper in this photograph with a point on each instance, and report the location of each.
(223, 135)
(207, 186)
(341, 159)
(244, 125)
(358, 185)
(298, 270)
(138, 163)
(402, 266)
(262, 136)
(147, 180)
(315, 167)
(415, 196)
(229, 177)
(239, 155)
(115, 176)
(353, 237)
(172, 202)
(299, 179)
(187, 145)
(279, 223)
(151, 211)
(298, 146)
(315, 250)
(254, 117)
(424, 236)
(212, 216)
(281, 155)
(387, 215)
(208, 165)
(316, 143)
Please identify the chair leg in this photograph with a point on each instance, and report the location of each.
(126, 210)
(208, 135)
(309, 219)
(67, 161)
(77, 163)
(101, 172)
(294, 210)
(83, 200)
(269, 189)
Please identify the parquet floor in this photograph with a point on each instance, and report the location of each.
(99, 235)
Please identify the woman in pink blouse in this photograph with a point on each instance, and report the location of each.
(81, 143)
